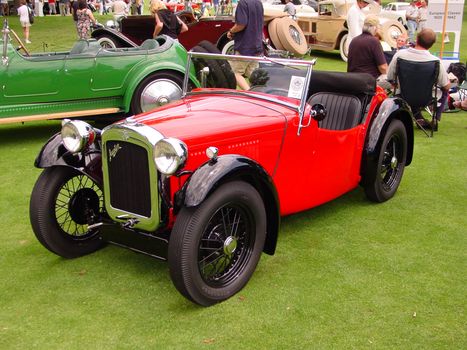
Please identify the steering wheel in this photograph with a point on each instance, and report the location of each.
(21, 45)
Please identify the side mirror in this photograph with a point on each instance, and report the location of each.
(318, 112)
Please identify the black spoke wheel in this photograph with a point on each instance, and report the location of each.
(215, 247)
(64, 202)
(390, 165)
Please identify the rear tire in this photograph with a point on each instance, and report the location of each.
(344, 48)
(384, 181)
(216, 78)
(229, 75)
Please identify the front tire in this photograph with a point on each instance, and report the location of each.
(344, 48)
(385, 180)
(64, 202)
(214, 248)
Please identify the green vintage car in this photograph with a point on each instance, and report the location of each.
(88, 80)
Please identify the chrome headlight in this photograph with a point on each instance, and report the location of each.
(76, 135)
(170, 155)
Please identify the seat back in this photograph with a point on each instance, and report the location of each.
(417, 82)
(343, 111)
(89, 47)
(149, 44)
(79, 47)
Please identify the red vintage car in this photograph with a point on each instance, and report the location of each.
(203, 182)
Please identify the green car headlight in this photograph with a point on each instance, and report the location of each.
(170, 155)
(77, 134)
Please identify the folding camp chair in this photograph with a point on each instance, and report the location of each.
(416, 84)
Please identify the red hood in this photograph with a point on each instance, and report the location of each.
(234, 124)
(197, 117)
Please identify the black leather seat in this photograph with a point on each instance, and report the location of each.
(343, 111)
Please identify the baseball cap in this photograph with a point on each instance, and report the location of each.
(369, 1)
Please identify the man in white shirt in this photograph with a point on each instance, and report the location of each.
(120, 8)
(355, 18)
(425, 40)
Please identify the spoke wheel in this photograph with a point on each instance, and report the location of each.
(214, 248)
(78, 202)
(64, 202)
(383, 184)
(226, 245)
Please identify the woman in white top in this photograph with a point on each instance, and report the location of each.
(23, 13)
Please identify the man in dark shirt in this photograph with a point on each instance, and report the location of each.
(248, 35)
(365, 51)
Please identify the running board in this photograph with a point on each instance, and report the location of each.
(61, 115)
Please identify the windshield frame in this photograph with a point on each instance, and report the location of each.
(308, 65)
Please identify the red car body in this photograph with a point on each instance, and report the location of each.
(203, 182)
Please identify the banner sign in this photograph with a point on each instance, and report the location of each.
(436, 12)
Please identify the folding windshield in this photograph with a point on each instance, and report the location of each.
(271, 76)
(284, 81)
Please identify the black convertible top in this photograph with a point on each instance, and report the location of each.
(342, 82)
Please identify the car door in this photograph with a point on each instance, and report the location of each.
(75, 82)
(112, 70)
(31, 79)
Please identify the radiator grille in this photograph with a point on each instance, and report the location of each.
(128, 172)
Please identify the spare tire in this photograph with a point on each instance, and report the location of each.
(229, 75)
(216, 78)
(390, 30)
(291, 36)
(272, 29)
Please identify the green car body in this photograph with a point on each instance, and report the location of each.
(89, 80)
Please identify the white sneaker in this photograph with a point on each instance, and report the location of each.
(28, 42)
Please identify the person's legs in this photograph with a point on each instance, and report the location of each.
(412, 27)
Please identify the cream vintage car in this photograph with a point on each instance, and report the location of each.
(327, 29)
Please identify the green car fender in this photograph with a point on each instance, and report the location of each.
(141, 71)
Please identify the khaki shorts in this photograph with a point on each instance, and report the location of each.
(244, 68)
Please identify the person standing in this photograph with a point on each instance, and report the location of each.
(355, 18)
(4, 8)
(23, 13)
(290, 8)
(85, 19)
(52, 8)
(166, 21)
(422, 16)
(247, 34)
(412, 16)
(119, 9)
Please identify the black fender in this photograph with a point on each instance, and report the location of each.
(114, 34)
(54, 153)
(211, 175)
(391, 108)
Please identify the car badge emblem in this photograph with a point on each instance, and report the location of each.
(125, 135)
(113, 152)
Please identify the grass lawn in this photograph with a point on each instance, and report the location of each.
(347, 275)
